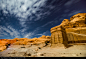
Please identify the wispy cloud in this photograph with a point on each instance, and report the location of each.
(74, 12)
(70, 2)
(9, 30)
(29, 35)
(23, 9)
(47, 23)
(44, 33)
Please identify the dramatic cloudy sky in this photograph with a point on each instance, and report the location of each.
(34, 18)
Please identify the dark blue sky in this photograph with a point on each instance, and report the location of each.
(34, 18)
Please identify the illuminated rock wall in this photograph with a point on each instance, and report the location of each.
(58, 36)
(70, 31)
(76, 35)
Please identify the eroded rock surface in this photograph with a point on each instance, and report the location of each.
(23, 41)
(71, 31)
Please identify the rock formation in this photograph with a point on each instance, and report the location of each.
(78, 20)
(26, 41)
(5, 42)
(23, 41)
(58, 36)
(72, 30)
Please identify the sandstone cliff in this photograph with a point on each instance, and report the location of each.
(23, 41)
(78, 20)
(74, 30)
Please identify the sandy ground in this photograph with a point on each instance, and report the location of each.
(44, 51)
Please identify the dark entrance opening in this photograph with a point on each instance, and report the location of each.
(8, 45)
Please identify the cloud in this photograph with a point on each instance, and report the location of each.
(29, 35)
(70, 2)
(47, 23)
(33, 33)
(44, 33)
(23, 9)
(2, 33)
(74, 12)
(23, 23)
(9, 30)
(23, 30)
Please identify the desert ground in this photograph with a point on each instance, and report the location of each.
(41, 50)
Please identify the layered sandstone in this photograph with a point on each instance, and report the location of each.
(26, 41)
(23, 41)
(73, 29)
(58, 36)
(78, 20)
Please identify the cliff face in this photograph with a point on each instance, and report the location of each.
(34, 41)
(74, 30)
(78, 20)
(4, 43)
(77, 33)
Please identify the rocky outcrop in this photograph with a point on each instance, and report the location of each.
(78, 20)
(58, 36)
(34, 41)
(5, 42)
(76, 35)
(24, 41)
(62, 33)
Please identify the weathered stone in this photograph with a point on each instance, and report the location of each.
(48, 37)
(72, 25)
(65, 21)
(2, 48)
(58, 36)
(76, 35)
(43, 36)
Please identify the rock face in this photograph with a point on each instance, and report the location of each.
(76, 35)
(72, 30)
(58, 36)
(5, 42)
(78, 20)
(34, 41)
(24, 41)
